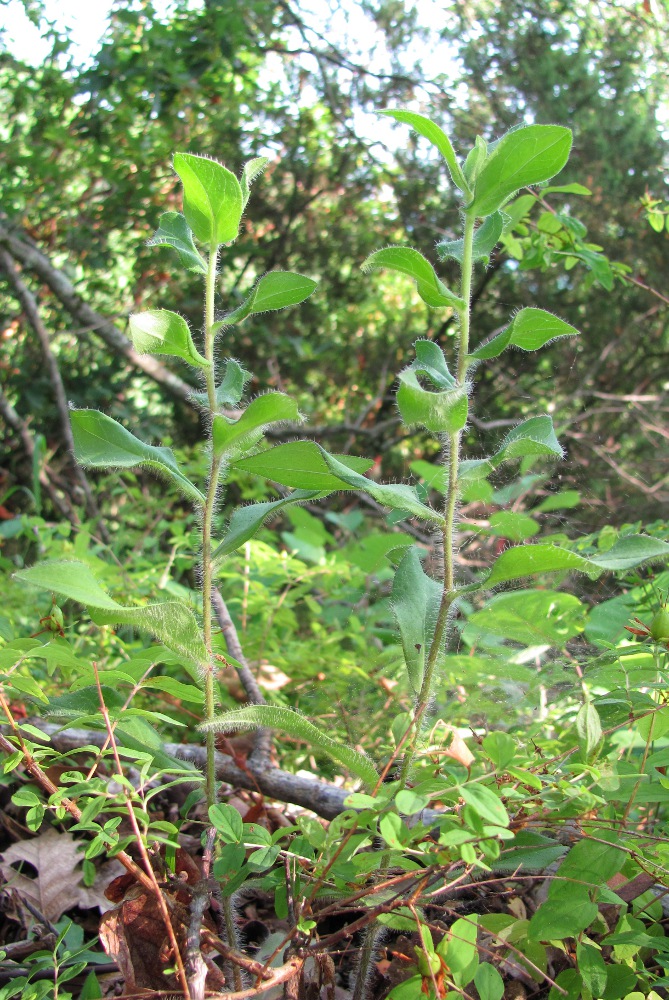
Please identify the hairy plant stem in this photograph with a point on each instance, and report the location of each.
(207, 574)
(448, 592)
(450, 511)
(212, 486)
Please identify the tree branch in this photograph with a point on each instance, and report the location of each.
(13, 419)
(64, 291)
(29, 305)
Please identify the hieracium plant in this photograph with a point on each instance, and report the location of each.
(434, 392)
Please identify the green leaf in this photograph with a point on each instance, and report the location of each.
(231, 388)
(566, 189)
(528, 560)
(650, 727)
(525, 156)
(534, 436)
(70, 578)
(430, 361)
(184, 692)
(101, 443)
(252, 170)
(500, 747)
(171, 622)
(486, 238)
(159, 331)
(173, 231)
(487, 803)
(213, 201)
(476, 157)
(263, 858)
(461, 948)
(247, 521)
(592, 967)
(239, 435)
(632, 551)
(529, 330)
(512, 524)
(393, 830)
(590, 861)
(412, 263)
(564, 500)
(301, 464)
(589, 726)
(91, 990)
(233, 383)
(409, 989)
(488, 982)
(227, 821)
(570, 986)
(415, 602)
(531, 617)
(440, 412)
(290, 722)
(438, 138)
(398, 496)
(409, 803)
(275, 290)
(565, 914)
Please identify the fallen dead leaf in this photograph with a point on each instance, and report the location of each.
(58, 884)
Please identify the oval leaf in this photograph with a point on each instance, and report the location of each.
(252, 170)
(415, 602)
(102, 443)
(487, 804)
(525, 156)
(301, 464)
(213, 201)
(247, 521)
(412, 263)
(529, 330)
(159, 331)
(171, 622)
(438, 138)
(534, 436)
(287, 721)
(486, 238)
(239, 435)
(69, 578)
(275, 290)
(173, 231)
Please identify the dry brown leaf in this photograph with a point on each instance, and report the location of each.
(458, 749)
(58, 884)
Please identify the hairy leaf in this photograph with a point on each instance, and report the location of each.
(287, 721)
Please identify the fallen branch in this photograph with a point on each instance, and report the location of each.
(311, 793)
(263, 740)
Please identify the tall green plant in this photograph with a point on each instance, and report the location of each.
(434, 393)
(430, 394)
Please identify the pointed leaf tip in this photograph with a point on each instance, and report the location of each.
(213, 200)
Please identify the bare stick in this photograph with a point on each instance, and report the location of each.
(263, 741)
